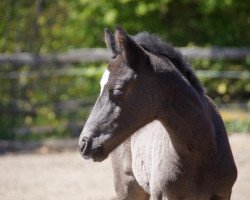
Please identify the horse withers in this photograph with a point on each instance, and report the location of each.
(166, 137)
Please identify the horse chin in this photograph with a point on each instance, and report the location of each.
(99, 158)
(97, 154)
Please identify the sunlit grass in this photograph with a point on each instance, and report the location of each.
(234, 114)
(236, 120)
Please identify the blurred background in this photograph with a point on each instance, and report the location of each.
(43, 97)
(52, 56)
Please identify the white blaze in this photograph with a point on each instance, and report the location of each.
(104, 80)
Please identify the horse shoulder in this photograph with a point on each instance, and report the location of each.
(152, 154)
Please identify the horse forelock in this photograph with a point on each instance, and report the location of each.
(156, 46)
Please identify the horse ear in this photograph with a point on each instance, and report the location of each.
(110, 42)
(129, 49)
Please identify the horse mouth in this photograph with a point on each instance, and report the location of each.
(93, 151)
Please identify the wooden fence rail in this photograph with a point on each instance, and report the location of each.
(82, 71)
(27, 108)
(99, 54)
(93, 55)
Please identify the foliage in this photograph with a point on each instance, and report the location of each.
(58, 102)
(43, 26)
(238, 126)
(48, 103)
(224, 90)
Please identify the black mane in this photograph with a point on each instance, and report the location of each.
(155, 45)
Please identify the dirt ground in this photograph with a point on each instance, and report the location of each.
(66, 176)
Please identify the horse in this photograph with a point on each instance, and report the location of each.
(165, 136)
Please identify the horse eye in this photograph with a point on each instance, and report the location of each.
(117, 93)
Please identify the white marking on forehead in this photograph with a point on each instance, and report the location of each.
(104, 80)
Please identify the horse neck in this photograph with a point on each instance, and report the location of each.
(188, 121)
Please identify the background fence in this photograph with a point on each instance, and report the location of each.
(51, 95)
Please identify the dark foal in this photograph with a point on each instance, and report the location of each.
(167, 138)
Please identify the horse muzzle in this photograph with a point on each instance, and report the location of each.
(91, 149)
(85, 147)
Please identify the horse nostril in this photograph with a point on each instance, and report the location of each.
(84, 144)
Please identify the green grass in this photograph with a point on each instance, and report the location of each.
(236, 120)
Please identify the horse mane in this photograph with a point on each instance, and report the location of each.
(155, 45)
